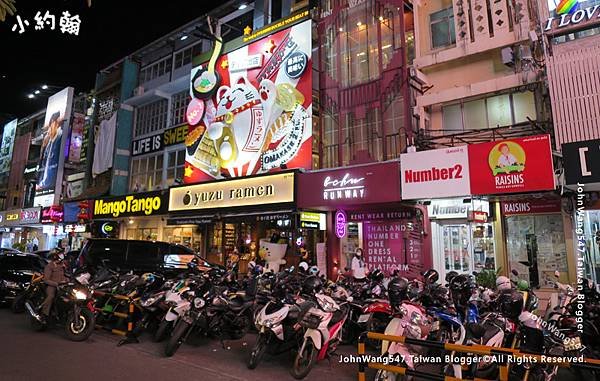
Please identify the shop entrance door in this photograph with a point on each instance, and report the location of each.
(453, 248)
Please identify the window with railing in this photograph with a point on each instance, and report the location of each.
(151, 117)
(179, 103)
(155, 70)
(495, 111)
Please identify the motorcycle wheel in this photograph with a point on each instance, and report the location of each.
(18, 304)
(375, 325)
(384, 375)
(258, 351)
(304, 361)
(162, 331)
(79, 328)
(176, 338)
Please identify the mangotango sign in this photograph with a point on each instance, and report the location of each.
(567, 15)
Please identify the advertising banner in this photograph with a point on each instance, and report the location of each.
(76, 138)
(56, 125)
(251, 108)
(138, 204)
(260, 190)
(358, 185)
(512, 166)
(435, 173)
(392, 245)
(6, 146)
(30, 216)
(582, 163)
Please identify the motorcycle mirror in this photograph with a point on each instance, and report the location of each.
(515, 272)
(475, 273)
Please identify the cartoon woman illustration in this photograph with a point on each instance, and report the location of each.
(506, 159)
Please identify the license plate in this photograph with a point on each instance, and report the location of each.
(364, 318)
(572, 344)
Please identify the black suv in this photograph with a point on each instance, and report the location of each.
(136, 256)
(16, 270)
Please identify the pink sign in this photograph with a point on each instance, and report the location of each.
(393, 245)
(194, 112)
(340, 224)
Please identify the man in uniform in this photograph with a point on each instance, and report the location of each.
(54, 275)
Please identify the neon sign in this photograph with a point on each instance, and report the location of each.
(340, 223)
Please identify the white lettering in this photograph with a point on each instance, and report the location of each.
(583, 162)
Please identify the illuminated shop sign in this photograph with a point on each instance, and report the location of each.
(566, 15)
(340, 224)
(159, 141)
(272, 189)
(356, 185)
(52, 214)
(12, 216)
(456, 208)
(140, 204)
(311, 220)
(75, 228)
(30, 216)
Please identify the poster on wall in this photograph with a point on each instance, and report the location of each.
(392, 245)
(259, 118)
(512, 166)
(76, 138)
(6, 146)
(56, 125)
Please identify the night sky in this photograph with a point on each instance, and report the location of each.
(110, 30)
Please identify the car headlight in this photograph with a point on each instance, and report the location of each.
(79, 295)
(11, 284)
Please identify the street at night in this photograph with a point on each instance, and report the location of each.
(27, 355)
(370, 190)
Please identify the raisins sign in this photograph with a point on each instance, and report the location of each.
(435, 173)
(512, 166)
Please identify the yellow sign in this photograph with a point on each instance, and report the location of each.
(276, 26)
(310, 216)
(129, 205)
(272, 189)
(175, 135)
(12, 216)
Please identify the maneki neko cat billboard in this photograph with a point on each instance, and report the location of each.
(251, 109)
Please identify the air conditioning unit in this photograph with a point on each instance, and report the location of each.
(508, 57)
(138, 91)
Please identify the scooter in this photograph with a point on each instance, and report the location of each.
(322, 323)
(178, 305)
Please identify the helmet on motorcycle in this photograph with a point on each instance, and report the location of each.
(251, 265)
(313, 270)
(503, 284)
(397, 291)
(303, 267)
(450, 276)
(311, 285)
(257, 270)
(376, 275)
(193, 264)
(431, 276)
(148, 278)
(522, 285)
(461, 287)
(511, 304)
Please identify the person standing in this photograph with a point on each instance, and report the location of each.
(359, 268)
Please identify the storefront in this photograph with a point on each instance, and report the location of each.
(364, 211)
(535, 238)
(251, 219)
(21, 229)
(462, 235)
(582, 176)
(139, 216)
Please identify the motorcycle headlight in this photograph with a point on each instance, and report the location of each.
(150, 301)
(10, 284)
(80, 295)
